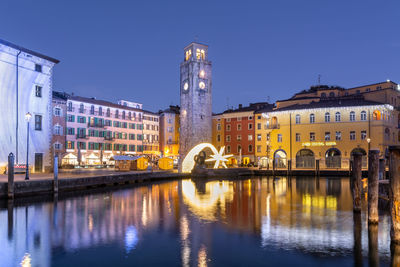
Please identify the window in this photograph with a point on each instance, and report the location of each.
(228, 127)
(70, 131)
(228, 138)
(268, 137)
(123, 114)
(327, 117)
(69, 106)
(337, 116)
(57, 129)
(331, 94)
(117, 113)
(312, 118)
(70, 145)
(312, 136)
(250, 118)
(363, 135)
(250, 137)
(218, 138)
(258, 126)
(352, 116)
(57, 146)
(57, 111)
(352, 135)
(363, 115)
(81, 108)
(327, 136)
(219, 127)
(239, 137)
(228, 119)
(298, 139)
(279, 138)
(92, 110)
(250, 126)
(70, 118)
(81, 119)
(258, 137)
(258, 149)
(239, 127)
(323, 95)
(297, 118)
(38, 122)
(250, 148)
(239, 119)
(108, 113)
(338, 136)
(38, 91)
(228, 149)
(239, 148)
(100, 111)
(38, 67)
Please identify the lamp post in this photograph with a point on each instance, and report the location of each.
(28, 117)
(369, 143)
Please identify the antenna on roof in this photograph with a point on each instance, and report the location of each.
(227, 103)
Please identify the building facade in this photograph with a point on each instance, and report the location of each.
(196, 100)
(169, 132)
(97, 130)
(26, 87)
(151, 131)
(59, 112)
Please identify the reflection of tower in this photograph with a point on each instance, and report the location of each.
(195, 92)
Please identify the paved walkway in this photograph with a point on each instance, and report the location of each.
(70, 174)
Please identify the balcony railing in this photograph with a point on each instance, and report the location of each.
(109, 138)
(273, 126)
(96, 125)
(70, 109)
(81, 136)
(82, 110)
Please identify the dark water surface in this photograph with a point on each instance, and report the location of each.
(251, 222)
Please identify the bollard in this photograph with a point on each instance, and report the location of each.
(10, 175)
(357, 248)
(373, 256)
(355, 183)
(394, 193)
(382, 169)
(373, 186)
(55, 182)
(317, 167)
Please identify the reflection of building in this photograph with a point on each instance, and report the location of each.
(329, 124)
(97, 130)
(26, 85)
(59, 125)
(169, 132)
(195, 92)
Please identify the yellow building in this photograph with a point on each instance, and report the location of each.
(169, 132)
(218, 127)
(328, 130)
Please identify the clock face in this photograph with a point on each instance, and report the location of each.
(202, 85)
(186, 86)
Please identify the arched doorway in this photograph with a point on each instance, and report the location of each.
(333, 158)
(364, 155)
(305, 159)
(263, 162)
(280, 158)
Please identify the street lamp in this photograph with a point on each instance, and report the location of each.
(28, 117)
(369, 143)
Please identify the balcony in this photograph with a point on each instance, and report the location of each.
(81, 136)
(274, 126)
(96, 125)
(109, 138)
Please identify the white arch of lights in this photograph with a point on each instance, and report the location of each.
(218, 157)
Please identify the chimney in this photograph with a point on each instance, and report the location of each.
(240, 106)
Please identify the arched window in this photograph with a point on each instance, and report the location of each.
(312, 118)
(250, 148)
(69, 106)
(387, 134)
(327, 117)
(57, 129)
(297, 118)
(92, 110)
(363, 115)
(323, 95)
(81, 108)
(108, 112)
(100, 111)
(123, 114)
(337, 116)
(331, 94)
(117, 113)
(130, 115)
(376, 115)
(353, 116)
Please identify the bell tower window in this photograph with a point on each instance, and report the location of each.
(188, 54)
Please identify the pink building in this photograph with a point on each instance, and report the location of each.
(97, 130)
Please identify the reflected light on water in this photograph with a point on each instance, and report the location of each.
(144, 211)
(184, 231)
(90, 222)
(204, 204)
(26, 260)
(131, 238)
(322, 202)
(202, 257)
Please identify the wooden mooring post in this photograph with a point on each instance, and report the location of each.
(394, 193)
(357, 247)
(55, 168)
(373, 186)
(382, 169)
(10, 172)
(355, 183)
(317, 172)
(289, 167)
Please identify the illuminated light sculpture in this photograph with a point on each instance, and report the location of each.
(218, 157)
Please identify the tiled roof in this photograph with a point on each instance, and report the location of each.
(102, 103)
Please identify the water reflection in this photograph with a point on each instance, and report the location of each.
(197, 223)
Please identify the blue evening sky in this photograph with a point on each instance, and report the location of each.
(132, 49)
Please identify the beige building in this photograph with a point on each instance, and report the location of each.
(169, 132)
(151, 127)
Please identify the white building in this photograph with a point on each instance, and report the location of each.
(25, 86)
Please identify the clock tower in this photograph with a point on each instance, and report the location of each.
(196, 101)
